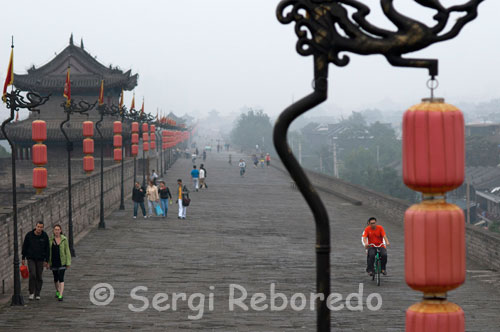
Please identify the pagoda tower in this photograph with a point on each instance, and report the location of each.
(86, 76)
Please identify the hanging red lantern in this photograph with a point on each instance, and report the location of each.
(433, 147)
(152, 128)
(117, 127)
(39, 131)
(135, 127)
(436, 227)
(145, 128)
(39, 154)
(152, 145)
(435, 315)
(117, 141)
(145, 137)
(88, 147)
(145, 146)
(117, 154)
(88, 164)
(135, 139)
(88, 129)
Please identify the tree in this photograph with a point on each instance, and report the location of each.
(251, 129)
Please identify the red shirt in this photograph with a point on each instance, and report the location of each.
(375, 236)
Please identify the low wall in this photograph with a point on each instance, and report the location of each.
(52, 207)
(482, 245)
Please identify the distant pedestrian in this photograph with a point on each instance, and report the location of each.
(204, 155)
(182, 192)
(262, 160)
(197, 152)
(203, 176)
(230, 159)
(164, 193)
(153, 177)
(138, 194)
(36, 250)
(153, 197)
(59, 259)
(195, 174)
(255, 160)
(242, 165)
(268, 159)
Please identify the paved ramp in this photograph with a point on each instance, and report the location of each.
(248, 232)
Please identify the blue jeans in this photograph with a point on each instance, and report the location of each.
(164, 205)
(136, 207)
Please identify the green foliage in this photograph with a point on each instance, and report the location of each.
(3, 152)
(251, 129)
(480, 152)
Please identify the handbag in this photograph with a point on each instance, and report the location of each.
(24, 271)
(186, 201)
(159, 211)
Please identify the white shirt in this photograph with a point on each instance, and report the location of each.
(202, 173)
(242, 164)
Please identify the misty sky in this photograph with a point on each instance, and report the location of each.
(196, 55)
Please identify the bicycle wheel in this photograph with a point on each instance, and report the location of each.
(378, 272)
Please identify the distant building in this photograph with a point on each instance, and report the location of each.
(86, 76)
(482, 130)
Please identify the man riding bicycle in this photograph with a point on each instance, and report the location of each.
(373, 237)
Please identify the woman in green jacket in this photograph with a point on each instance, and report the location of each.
(59, 259)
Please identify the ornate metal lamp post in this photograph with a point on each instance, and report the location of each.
(325, 28)
(103, 110)
(82, 108)
(15, 102)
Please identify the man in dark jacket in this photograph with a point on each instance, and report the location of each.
(138, 194)
(36, 250)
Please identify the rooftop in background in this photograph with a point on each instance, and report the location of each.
(86, 75)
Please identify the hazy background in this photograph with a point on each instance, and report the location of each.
(194, 56)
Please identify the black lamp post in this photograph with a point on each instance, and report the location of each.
(14, 102)
(325, 29)
(81, 108)
(103, 110)
(123, 113)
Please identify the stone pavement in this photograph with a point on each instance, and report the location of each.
(253, 232)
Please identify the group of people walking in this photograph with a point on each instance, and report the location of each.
(41, 252)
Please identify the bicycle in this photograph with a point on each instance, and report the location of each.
(377, 268)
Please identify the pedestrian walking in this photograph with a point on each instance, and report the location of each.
(242, 165)
(164, 193)
(204, 155)
(255, 160)
(182, 193)
(268, 159)
(195, 174)
(153, 177)
(138, 194)
(152, 196)
(203, 176)
(262, 160)
(36, 251)
(230, 159)
(59, 259)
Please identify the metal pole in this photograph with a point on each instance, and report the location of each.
(135, 169)
(335, 168)
(468, 199)
(17, 298)
(157, 154)
(102, 225)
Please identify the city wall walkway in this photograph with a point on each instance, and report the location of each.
(253, 232)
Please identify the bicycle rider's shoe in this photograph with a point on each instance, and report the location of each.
(384, 272)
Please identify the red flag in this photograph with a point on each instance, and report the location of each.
(101, 93)
(17, 116)
(142, 108)
(9, 80)
(156, 114)
(132, 106)
(67, 89)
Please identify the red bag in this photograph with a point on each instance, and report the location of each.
(24, 271)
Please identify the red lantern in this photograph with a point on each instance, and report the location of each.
(117, 127)
(39, 179)
(435, 316)
(135, 138)
(135, 150)
(436, 227)
(135, 127)
(39, 131)
(145, 137)
(145, 146)
(117, 154)
(433, 147)
(88, 164)
(152, 128)
(88, 146)
(39, 154)
(117, 141)
(153, 145)
(88, 129)
(145, 127)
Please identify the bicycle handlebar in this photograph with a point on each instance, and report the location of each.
(379, 246)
